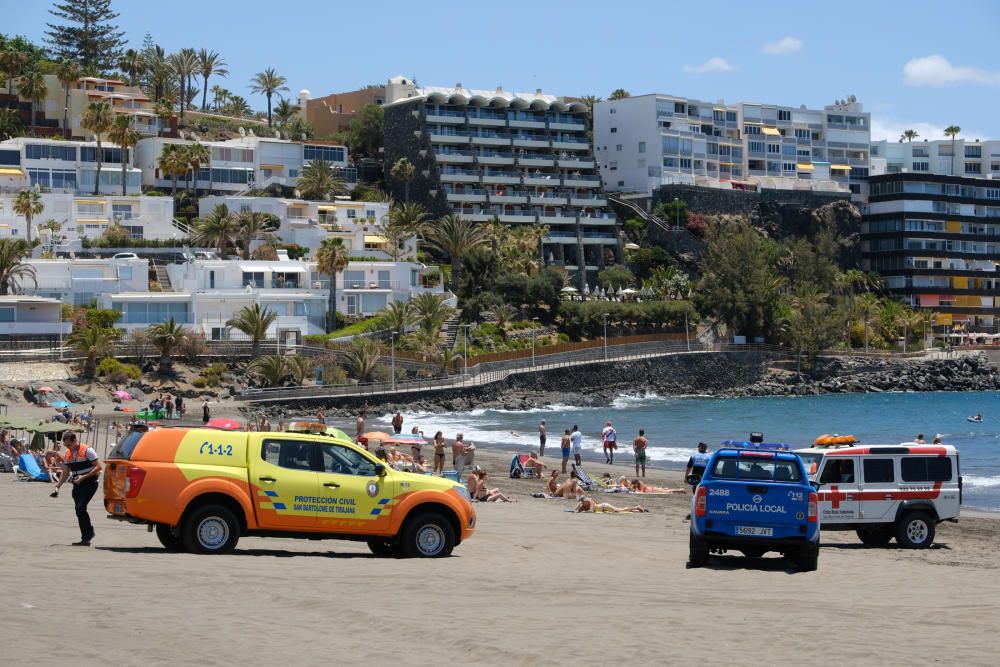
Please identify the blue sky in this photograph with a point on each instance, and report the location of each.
(914, 64)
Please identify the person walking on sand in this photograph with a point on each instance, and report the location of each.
(438, 453)
(610, 438)
(360, 425)
(541, 438)
(206, 412)
(179, 406)
(458, 454)
(696, 465)
(397, 423)
(82, 468)
(639, 446)
(321, 416)
(565, 446)
(576, 444)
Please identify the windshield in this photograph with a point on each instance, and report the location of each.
(811, 462)
(775, 470)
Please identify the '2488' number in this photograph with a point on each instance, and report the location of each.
(216, 450)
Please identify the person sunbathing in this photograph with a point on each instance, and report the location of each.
(553, 483)
(535, 464)
(570, 488)
(587, 504)
(52, 463)
(636, 486)
(485, 494)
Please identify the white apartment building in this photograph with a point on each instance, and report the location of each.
(239, 165)
(968, 158)
(646, 141)
(80, 281)
(82, 217)
(308, 223)
(65, 166)
(31, 317)
(364, 288)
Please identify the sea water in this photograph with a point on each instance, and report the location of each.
(674, 425)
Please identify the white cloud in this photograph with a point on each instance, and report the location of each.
(936, 70)
(783, 46)
(711, 65)
(891, 129)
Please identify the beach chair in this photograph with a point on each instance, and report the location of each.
(517, 467)
(29, 471)
(587, 482)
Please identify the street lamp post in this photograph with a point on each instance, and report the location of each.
(687, 338)
(605, 316)
(392, 352)
(465, 349)
(533, 320)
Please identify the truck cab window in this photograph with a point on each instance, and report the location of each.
(291, 454)
(345, 461)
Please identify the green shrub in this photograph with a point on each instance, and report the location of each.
(110, 366)
(199, 383)
(563, 338)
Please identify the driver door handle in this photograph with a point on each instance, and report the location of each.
(332, 485)
(267, 479)
(888, 496)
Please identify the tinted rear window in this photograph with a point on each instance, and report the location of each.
(926, 469)
(757, 469)
(125, 446)
(878, 470)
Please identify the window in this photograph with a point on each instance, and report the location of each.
(680, 107)
(372, 303)
(47, 152)
(802, 133)
(992, 193)
(921, 166)
(685, 163)
(292, 454)
(7, 315)
(973, 167)
(878, 471)
(89, 154)
(788, 167)
(253, 278)
(351, 213)
(730, 116)
(618, 147)
(642, 146)
(369, 214)
(784, 114)
(774, 149)
(123, 211)
(328, 153)
(220, 154)
(756, 146)
(973, 151)
(926, 469)
(752, 129)
(10, 158)
(763, 469)
(342, 460)
(838, 472)
(354, 279)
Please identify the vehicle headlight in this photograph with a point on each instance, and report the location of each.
(462, 491)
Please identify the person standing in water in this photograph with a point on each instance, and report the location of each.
(541, 438)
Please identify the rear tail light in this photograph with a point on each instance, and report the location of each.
(700, 499)
(133, 481)
(813, 504)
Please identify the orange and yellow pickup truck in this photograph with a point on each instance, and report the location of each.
(202, 489)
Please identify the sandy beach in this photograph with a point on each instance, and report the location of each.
(535, 585)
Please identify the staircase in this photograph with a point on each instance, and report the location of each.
(449, 332)
(640, 212)
(162, 277)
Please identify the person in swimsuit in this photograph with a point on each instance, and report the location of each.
(639, 446)
(609, 436)
(553, 483)
(485, 494)
(438, 453)
(564, 445)
(541, 438)
(535, 464)
(587, 504)
(570, 488)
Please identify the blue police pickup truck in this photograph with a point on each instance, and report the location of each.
(755, 498)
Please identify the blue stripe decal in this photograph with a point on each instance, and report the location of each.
(272, 494)
(279, 506)
(376, 511)
(384, 501)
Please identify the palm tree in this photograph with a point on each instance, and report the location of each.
(284, 111)
(411, 217)
(32, 86)
(254, 321)
(198, 155)
(157, 69)
(68, 73)
(132, 63)
(210, 63)
(271, 370)
(868, 305)
(238, 107)
(98, 118)
(396, 316)
(254, 224)
(11, 125)
(455, 236)
(590, 101)
(165, 113)
(910, 135)
(952, 131)
(216, 230)
(29, 204)
(93, 342)
(12, 270)
(299, 367)
(165, 337)
(405, 171)
(331, 259)
(362, 359)
(219, 96)
(320, 180)
(123, 134)
(619, 94)
(183, 66)
(173, 163)
(12, 63)
(430, 311)
(267, 83)
(504, 314)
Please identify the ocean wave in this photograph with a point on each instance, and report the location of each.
(981, 482)
(626, 401)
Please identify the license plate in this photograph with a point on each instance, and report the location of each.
(755, 531)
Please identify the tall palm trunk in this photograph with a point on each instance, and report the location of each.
(204, 97)
(269, 109)
(66, 114)
(97, 178)
(331, 305)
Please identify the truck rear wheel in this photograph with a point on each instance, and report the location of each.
(697, 551)
(876, 537)
(807, 560)
(384, 547)
(428, 535)
(915, 530)
(212, 529)
(170, 542)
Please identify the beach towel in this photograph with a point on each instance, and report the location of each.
(27, 467)
(516, 467)
(586, 481)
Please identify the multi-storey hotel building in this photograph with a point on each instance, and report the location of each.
(973, 159)
(646, 141)
(523, 157)
(936, 240)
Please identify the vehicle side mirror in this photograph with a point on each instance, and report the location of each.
(380, 470)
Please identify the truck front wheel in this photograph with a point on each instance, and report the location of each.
(428, 535)
(876, 537)
(170, 542)
(697, 551)
(915, 530)
(212, 529)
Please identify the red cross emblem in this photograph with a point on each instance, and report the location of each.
(835, 496)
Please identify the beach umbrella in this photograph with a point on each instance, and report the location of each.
(569, 289)
(124, 395)
(604, 293)
(631, 246)
(44, 390)
(628, 290)
(60, 404)
(374, 436)
(406, 439)
(224, 423)
(337, 433)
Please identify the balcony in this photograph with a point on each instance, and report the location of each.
(454, 157)
(567, 126)
(528, 141)
(491, 140)
(498, 158)
(461, 175)
(568, 144)
(581, 181)
(577, 163)
(592, 202)
(556, 219)
(527, 124)
(35, 328)
(467, 196)
(502, 177)
(450, 118)
(551, 180)
(449, 138)
(476, 215)
(517, 217)
(537, 160)
(508, 197)
(549, 199)
(487, 122)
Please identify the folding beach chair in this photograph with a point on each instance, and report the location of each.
(586, 481)
(517, 470)
(28, 470)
